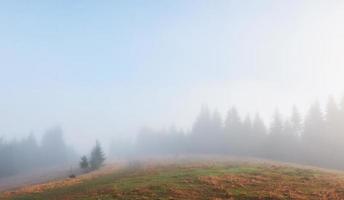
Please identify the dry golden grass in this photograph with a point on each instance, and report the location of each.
(192, 180)
(67, 182)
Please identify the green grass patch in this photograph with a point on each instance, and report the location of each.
(196, 182)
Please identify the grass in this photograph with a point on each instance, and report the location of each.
(202, 181)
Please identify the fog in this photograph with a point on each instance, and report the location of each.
(314, 139)
(136, 75)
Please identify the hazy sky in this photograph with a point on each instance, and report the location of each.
(103, 69)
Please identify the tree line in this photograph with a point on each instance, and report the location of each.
(317, 138)
(23, 155)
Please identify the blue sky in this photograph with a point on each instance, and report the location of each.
(104, 69)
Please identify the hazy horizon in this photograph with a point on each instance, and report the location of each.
(105, 70)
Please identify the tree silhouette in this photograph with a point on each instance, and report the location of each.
(97, 157)
(296, 122)
(84, 163)
(259, 135)
(233, 128)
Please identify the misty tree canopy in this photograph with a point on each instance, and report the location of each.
(316, 139)
(27, 154)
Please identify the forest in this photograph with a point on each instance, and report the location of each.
(20, 156)
(313, 139)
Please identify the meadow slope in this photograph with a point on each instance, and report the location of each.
(191, 180)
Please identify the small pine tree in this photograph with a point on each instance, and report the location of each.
(84, 163)
(97, 157)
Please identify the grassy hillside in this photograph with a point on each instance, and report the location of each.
(193, 181)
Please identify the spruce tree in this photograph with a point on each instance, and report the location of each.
(84, 163)
(97, 157)
(296, 122)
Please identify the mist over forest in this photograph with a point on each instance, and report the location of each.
(27, 154)
(86, 85)
(314, 139)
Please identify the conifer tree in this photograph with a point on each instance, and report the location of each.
(84, 163)
(97, 157)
